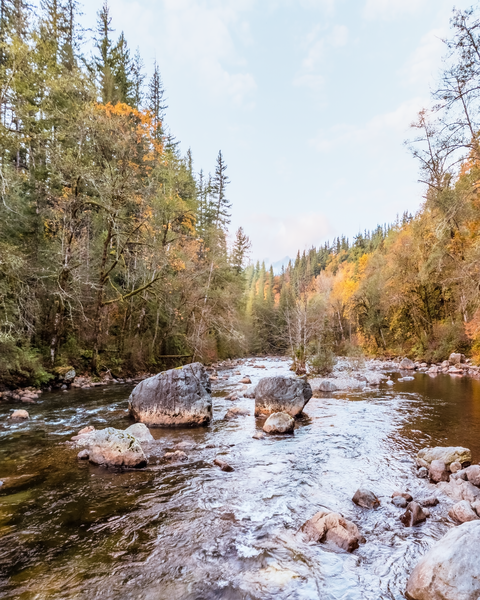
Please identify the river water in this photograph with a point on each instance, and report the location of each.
(191, 531)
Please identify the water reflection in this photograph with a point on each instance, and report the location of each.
(190, 530)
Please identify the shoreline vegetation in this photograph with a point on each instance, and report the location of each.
(115, 256)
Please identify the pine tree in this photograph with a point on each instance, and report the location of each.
(219, 185)
(156, 100)
(138, 77)
(240, 250)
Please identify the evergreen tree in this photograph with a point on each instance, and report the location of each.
(240, 250)
(156, 100)
(219, 185)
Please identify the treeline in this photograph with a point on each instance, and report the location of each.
(410, 288)
(113, 250)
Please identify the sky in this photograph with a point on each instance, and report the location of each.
(310, 102)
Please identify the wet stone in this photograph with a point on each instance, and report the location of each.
(399, 501)
(438, 471)
(422, 473)
(223, 465)
(365, 498)
(462, 512)
(413, 515)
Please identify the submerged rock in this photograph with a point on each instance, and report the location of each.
(451, 569)
(19, 415)
(413, 515)
(259, 435)
(279, 422)
(178, 455)
(114, 448)
(365, 498)
(233, 413)
(174, 398)
(422, 473)
(462, 512)
(331, 527)
(447, 455)
(282, 394)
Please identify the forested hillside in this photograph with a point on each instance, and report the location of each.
(113, 251)
(410, 288)
(113, 246)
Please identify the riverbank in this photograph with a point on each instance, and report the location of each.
(347, 374)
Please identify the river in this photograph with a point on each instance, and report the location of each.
(188, 530)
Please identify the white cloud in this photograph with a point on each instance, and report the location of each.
(426, 58)
(317, 49)
(202, 39)
(376, 134)
(277, 236)
(201, 33)
(390, 9)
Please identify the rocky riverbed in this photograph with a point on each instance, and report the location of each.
(185, 527)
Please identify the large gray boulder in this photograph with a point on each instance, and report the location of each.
(112, 448)
(175, 398)
(447, 454)
(407, 364)
(282, 394)
(451, 569)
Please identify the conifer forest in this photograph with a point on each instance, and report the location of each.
(115, 250)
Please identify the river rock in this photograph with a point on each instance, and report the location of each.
(405, 495)
(282, 394)
(455, 358)
(365, 498)
(245, 380)
(375, 378)
(114, 448)
(279, 422)
(399, 502)
(83, 454)
(476, 507)
(233, 413)
(462, 512)
(422, 473)
(438, 471)
(413, 515)
(407, 364)
(86, 430)
(177, 455)
(141, 432)
(259, 435)
(451, 569)
(223, 465)
(455, 467)
(473, 474)
(327, 386)
(331, 527)
(428, 501)
(19, 415)
(446, 454)
(174, 398)
(458, 489)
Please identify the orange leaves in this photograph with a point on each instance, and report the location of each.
(145, 126)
